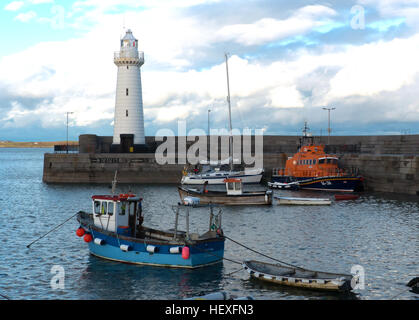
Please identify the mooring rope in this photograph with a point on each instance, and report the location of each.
(262, 254)
(4, 296)
(55, 228)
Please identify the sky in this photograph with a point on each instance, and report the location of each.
(287, 61)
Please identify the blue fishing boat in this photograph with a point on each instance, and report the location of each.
(115, 231)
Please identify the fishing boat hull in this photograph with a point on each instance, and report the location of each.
(338, 184)
(303, 201)
(248, 177)
(136, 253)
(299, 278)
(219, 197)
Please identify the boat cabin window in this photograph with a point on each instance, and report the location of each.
(131, 208)
(237, 185)
(230, 185)
(321, 161)
(110, 208)
(97, 207)
(122, 208)
(103, 207)
(328, 160)
(314, 161)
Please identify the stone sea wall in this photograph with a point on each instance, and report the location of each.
(388, 163)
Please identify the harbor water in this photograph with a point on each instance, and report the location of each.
(377, 232)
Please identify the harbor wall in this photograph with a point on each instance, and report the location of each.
(388, 163)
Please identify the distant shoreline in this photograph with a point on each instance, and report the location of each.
(41, 144)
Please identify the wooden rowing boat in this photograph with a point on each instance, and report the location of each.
(303, 201)
(299, 277)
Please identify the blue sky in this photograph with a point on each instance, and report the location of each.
(288, 59)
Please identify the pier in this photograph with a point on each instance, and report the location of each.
(388, 163)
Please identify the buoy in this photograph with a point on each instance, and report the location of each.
(152, 249)
(80, 232)
(125, 247)
(175, 249)
(99, 241)
(185, 253)
(88, 237)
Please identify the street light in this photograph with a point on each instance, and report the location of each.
(329, 130)
(209, 110)
(67, 129)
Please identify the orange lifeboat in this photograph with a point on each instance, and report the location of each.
(314, 169)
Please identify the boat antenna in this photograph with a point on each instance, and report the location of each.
(229, 116)
(114, 182)
(305, 129)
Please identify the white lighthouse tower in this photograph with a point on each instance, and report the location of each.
(129, 118)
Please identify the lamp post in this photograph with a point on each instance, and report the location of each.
(328, 129)
(67, 129)
(209, 110)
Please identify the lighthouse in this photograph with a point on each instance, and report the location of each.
(129, 119)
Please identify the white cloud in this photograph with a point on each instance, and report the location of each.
(408, 9)
(268, 29)
(26, 17)
(14, 6)
(40, 1)
(372, 68)
(286, 97)
(79, 75)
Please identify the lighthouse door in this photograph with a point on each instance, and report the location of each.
(127, 142)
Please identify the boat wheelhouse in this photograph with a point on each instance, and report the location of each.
(115, 231)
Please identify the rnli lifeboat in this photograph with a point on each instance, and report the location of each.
(311, 168)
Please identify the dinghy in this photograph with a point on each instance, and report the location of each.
(303, 201)
(299, 277)
(284, 185)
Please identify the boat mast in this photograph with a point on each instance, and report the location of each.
(114, 183)
(229, 117)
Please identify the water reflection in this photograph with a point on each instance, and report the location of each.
(104, 279)
(287, 292)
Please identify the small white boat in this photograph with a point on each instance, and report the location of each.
(234, 195)
(303, 201)
(218, 176)
(283, 185)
